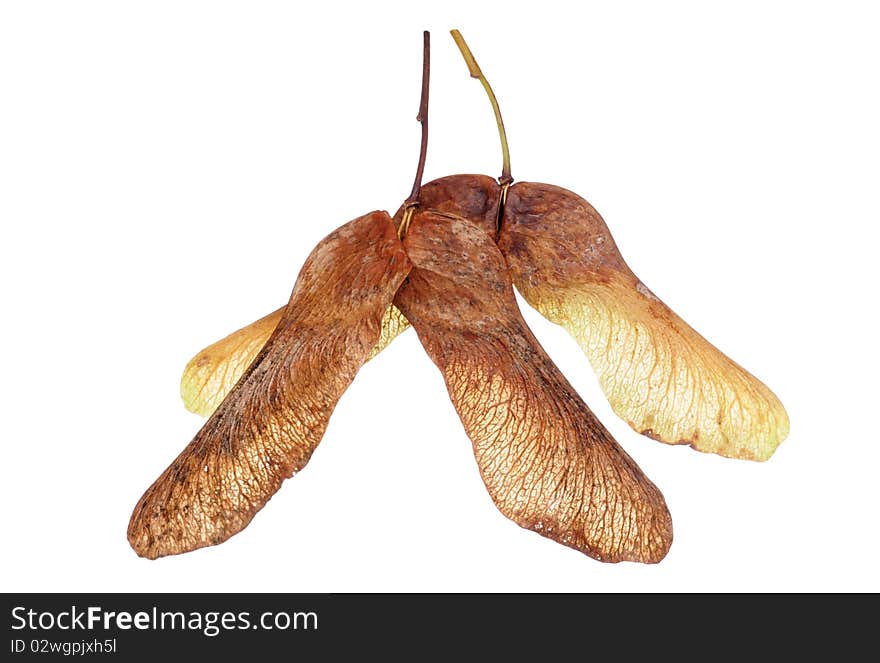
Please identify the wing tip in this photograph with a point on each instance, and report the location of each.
(149, 545)
(193, 381)
(142, 548)
(138, 534)
(651, 548)
(756, 448)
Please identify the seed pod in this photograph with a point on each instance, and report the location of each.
(548, 463)
(472, 197)
(273, 418)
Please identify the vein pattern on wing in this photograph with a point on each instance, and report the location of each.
(547, 462)
(273, 418)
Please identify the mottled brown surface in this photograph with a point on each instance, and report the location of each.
(474, 197)
(272, 420)
(548, 463)
(551, 236)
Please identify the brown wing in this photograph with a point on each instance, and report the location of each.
(548, 463)
(212, 373)
(272, 420)
(659, 375)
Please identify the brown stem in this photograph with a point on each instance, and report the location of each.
(422, 117)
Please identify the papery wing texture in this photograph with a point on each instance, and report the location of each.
(393, 325)
(273, 418)
(659, 374)
(548, 463)
(212, 373)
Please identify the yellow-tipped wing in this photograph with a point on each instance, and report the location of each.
(212, 373)
(660, 375)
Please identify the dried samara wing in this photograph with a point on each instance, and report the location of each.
(273, 418)
(548, 463)
(660, 375)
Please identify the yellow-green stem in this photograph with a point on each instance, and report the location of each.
(477, 73)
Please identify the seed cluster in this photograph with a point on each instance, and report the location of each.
(447, 264)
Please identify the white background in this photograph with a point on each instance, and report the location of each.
(166, 167)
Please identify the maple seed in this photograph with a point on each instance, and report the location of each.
(267, 426)
(548, 463)
(659, 375)
(455, 249)
(270, 423)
